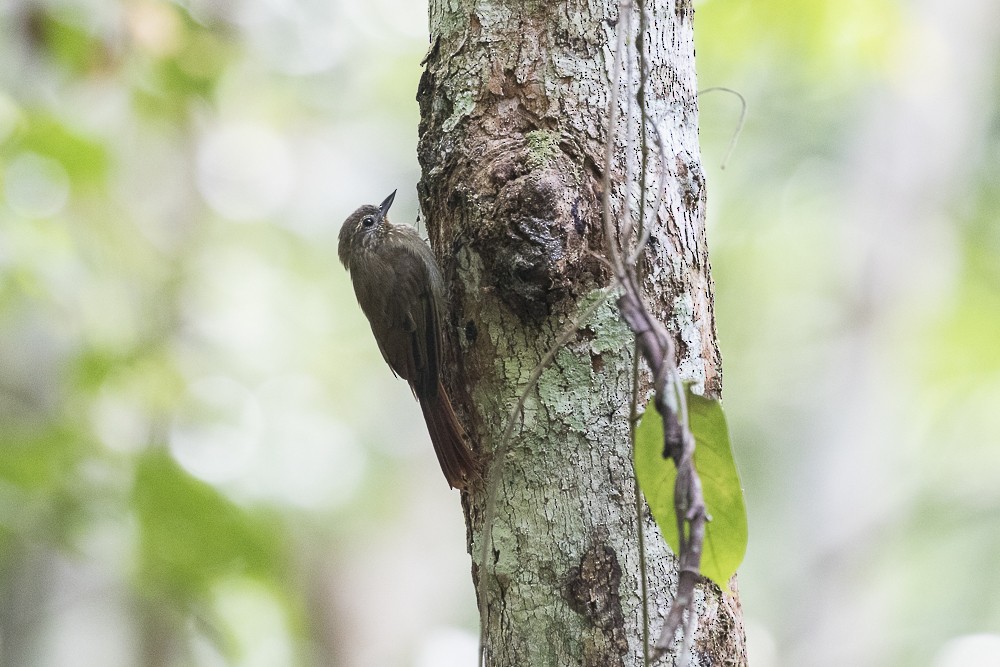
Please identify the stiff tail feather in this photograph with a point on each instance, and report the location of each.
(458, 463)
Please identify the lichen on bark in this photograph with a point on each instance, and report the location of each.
(513, 104)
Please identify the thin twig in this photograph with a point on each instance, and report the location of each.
(656, 347)
(651, 122)
(643, 576)
(689, 627)
(739, 125)
(640, 525)
(626, 215)
(633, 258)
(611, 238)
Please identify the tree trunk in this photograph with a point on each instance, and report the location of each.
(514, 107)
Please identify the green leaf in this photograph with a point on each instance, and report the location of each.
(726, 532)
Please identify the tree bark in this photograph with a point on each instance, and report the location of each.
(514, 106)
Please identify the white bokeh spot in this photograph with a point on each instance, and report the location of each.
(36, 186)
(244, 171)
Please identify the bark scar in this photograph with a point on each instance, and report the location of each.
(592, 590)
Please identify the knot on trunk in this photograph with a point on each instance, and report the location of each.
(534, 241)
(592, 592)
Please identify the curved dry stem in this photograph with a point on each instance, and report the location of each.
(739, 124)
(656, 347)
(624, 26)
(647, 230)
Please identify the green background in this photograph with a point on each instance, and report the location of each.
(204, 460)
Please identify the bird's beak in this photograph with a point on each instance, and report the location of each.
(383, 208)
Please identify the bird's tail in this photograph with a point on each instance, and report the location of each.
(451, 445)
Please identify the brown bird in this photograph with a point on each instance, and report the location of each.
(399, 288)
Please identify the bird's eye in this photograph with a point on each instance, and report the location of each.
(368, 221)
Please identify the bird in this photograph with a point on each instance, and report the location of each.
(400, 290)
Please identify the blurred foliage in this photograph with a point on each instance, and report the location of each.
(855, 245)
(97, 248)
(191, 536)
(196, 467)
(84, 159)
